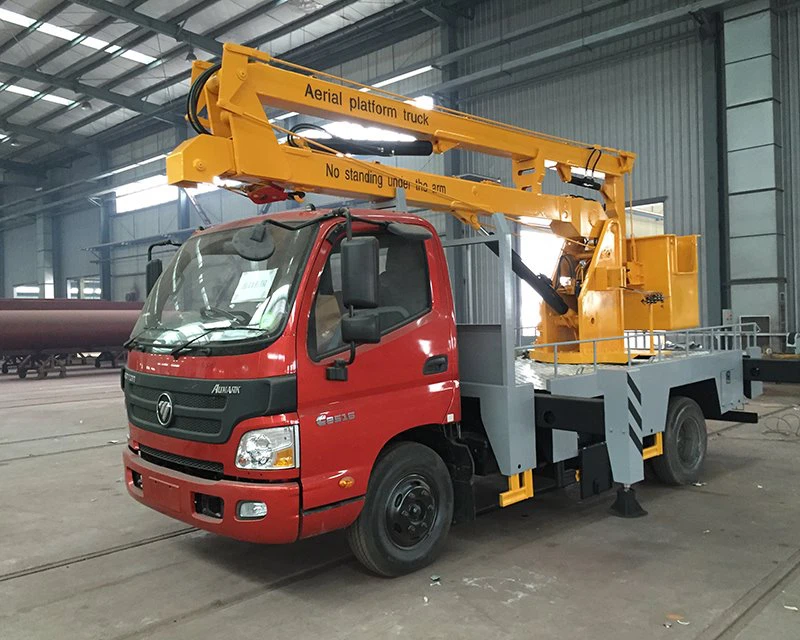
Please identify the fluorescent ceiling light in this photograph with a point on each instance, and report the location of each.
(384, 83)
(284, 116)
(13, 88)
(353, 131)
(403, 76)
(3, 136)
(130, 167)
(67, 34)
(136, 56)
(30, 93)
(16, 18)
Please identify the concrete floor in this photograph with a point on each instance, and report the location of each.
(79, 559)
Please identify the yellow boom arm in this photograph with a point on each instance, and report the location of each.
(241, 144)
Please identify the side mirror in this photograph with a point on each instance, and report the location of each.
(153, 271)
(362, 328)
(360, 272)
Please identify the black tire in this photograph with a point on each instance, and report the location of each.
(5, 368)
(407, 511)
(22, 372)
(685, 443)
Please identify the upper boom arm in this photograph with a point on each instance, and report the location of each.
(243, 146)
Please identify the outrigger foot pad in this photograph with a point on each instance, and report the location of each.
(626, 505)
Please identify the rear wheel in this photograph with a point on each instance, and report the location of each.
(685, 443)
(407, 511)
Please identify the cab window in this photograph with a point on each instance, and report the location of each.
(404, 293)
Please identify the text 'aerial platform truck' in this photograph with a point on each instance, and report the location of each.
(303, 372)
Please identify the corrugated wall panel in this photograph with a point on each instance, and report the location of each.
(78, 231)
(19, 256)
(789, 30)
(650, 103)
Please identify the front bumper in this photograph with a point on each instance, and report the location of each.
(174, 494)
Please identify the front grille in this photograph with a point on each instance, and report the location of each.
(200, 411)
(181, 399)
(179, 423)
(192, 466)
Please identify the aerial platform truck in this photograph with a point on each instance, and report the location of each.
(302, 372)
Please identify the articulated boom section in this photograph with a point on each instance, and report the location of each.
(603, 278)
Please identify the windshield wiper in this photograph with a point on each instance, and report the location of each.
(177, 351)
(211, 312)
(133, 342)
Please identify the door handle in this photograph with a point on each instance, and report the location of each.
(434, 364)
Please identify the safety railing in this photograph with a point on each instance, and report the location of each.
(647, 346)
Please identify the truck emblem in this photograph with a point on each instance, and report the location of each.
(230, 389)
(324, 419)
(164, 409)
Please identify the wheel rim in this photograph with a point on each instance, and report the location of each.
(410, 511)
(688, 442)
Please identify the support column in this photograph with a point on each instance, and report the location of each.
(715, 269)
(3, 293)
(44, 255)
(183, 210)
(454, 229)
(108, 207)
(59, 280)
(756, 241)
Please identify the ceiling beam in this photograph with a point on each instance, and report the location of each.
(54, 137)
(17, 37)
(171, 29)
(614, 34)
(294, 25)
(439, 12)
(20, 167)
(133, 104)
(52, 54)
(218, 30)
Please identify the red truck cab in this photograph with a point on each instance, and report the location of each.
(237, 425)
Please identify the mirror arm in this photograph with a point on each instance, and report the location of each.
(163, 243)
(337, 372)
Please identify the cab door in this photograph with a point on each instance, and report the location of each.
(406, 380)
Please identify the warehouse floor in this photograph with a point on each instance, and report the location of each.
(79, 559)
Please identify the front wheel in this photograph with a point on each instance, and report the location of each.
(685, 443)
(407, 511)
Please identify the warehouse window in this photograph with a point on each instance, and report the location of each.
(645, 218)
(150, 192)
(86, 288)
(539, 251)
(144, 193)
(27, 291)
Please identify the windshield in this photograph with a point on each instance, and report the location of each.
(210, 289)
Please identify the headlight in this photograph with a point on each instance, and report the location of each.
(268, 449)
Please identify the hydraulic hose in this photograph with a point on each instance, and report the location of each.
(193, 98)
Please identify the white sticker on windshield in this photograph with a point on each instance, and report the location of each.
(253, 286)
